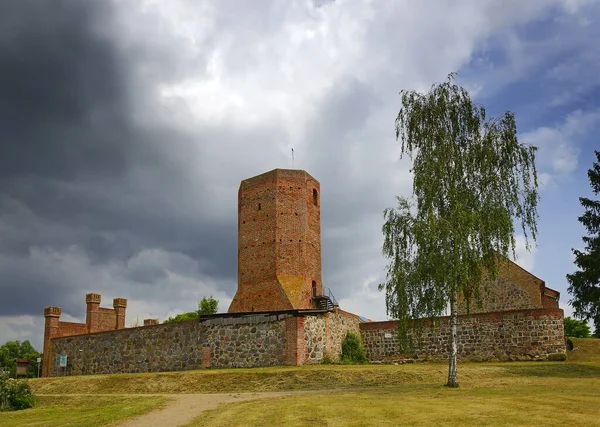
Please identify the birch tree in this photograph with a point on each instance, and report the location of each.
(473, 182)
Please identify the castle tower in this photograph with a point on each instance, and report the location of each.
(279, 242)
(120, 305)
(51, 326)
(92, 315)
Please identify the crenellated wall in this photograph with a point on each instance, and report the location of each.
(232, 341)
(97, 319)
(508, 335)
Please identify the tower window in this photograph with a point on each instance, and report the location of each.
(314, 288)
(315, 197)
(259, 206)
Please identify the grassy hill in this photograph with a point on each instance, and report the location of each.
(523, 393)
(588, 351)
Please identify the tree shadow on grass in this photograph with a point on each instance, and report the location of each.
(559, 370)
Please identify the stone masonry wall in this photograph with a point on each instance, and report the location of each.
(324, 334)
(315, 338)
(341, 323)
(515, 289)
(509, 335)
(220, 342)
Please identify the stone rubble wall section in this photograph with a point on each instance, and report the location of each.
(315, 338)
(324, 334)
(174, 347)
(341, 323)
(503, 336)
(515, 289)
(243, 346)
(503, 295)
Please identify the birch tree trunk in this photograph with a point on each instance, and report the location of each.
(452, 379)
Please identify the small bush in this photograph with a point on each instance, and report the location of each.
(327, 360)
(352, 350)
(557, 357)
(15, 394)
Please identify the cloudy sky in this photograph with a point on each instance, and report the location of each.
(126, 127)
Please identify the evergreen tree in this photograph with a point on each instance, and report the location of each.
(471, 179)
(585, 282)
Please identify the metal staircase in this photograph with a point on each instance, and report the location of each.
(326, 301)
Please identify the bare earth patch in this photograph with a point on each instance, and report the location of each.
(184, 408)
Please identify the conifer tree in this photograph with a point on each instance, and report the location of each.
(585, 282)
(472, 178)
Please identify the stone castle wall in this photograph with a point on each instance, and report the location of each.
(259, 341)
(515, 289)
(251, 340)
(292, 339)
(323, 334)
(508, 335)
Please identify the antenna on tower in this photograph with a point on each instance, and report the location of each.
(292, 158)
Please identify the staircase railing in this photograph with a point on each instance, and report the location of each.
(325, 301)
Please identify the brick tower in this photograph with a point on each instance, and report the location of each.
(279, 242)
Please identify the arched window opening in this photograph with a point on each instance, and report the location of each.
(315, 197)
(259, 206)
(314, 288)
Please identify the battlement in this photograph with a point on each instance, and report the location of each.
(150, 322)
(119, 302)
(97, 319)
(93, 298)
(52, 311)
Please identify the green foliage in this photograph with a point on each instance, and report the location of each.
(327, 360)
(557, 357)
(472, 178)
(15, 394)
(352, 349)
(12, 350)
(585, 282)
(576, 328)
(190, 315)
(208, 305)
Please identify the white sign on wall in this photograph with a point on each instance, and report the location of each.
(388, 335)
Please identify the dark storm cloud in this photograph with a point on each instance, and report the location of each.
(352, 208)
(59, 82)
(71, 149)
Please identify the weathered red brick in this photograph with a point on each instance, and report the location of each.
(279, 242)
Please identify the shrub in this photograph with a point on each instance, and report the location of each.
(557, 357)
(15, 394)
(352, 350)
(327, 360)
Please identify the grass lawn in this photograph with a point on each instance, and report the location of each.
(537, 400)
(520, 393)
(89, 411)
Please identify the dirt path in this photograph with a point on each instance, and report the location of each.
(184, 408)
